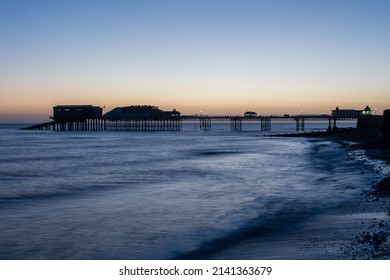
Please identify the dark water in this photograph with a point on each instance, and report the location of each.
(160, 195)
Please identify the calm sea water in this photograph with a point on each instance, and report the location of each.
(161, 195)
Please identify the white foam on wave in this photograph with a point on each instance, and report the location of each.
(376, 165)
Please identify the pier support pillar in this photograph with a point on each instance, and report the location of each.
(142, 125)
(205, 124)
(265, 124)
(300, 124)
(236, 124)
(332, 124)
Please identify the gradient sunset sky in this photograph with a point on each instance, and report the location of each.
(218, 57)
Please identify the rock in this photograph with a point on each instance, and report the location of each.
(383, 187)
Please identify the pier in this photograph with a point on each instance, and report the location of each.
(265, 122)
(175, 124)
(151, 118)
(143, 124)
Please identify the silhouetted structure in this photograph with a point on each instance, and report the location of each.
(369, 122)
(346, 113)
(143, 118)
(350, 113)
(367, 111)
(63, 113)
(151, 118)
(140, 112)
(385, 128)
(250, 114)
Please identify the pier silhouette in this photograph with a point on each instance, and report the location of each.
(151, 118)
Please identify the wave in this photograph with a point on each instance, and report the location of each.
(378, 166)
(268, 224)
(59, 193)
(217, 153)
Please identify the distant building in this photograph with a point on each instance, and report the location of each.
(140, 112)
(350, 113)
(76, 112)
(250, 114)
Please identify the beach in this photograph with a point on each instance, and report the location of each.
(359, 229)
(372, 240)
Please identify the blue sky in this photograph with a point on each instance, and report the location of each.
(211, 56)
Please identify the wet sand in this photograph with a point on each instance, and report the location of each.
(360, 233)
(372, 239)
(358, 230)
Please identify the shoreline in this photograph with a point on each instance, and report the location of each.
(352, 139)
(371, 239)
(374, 240)
(357, 230)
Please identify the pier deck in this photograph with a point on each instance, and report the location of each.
(175, 123)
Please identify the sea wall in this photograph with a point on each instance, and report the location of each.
(369, 122)
(385, 128)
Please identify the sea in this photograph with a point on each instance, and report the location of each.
(187, 194)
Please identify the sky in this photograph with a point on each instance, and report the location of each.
(214, 57)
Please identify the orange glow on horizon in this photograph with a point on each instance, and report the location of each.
(35, 104)
(40, 111)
